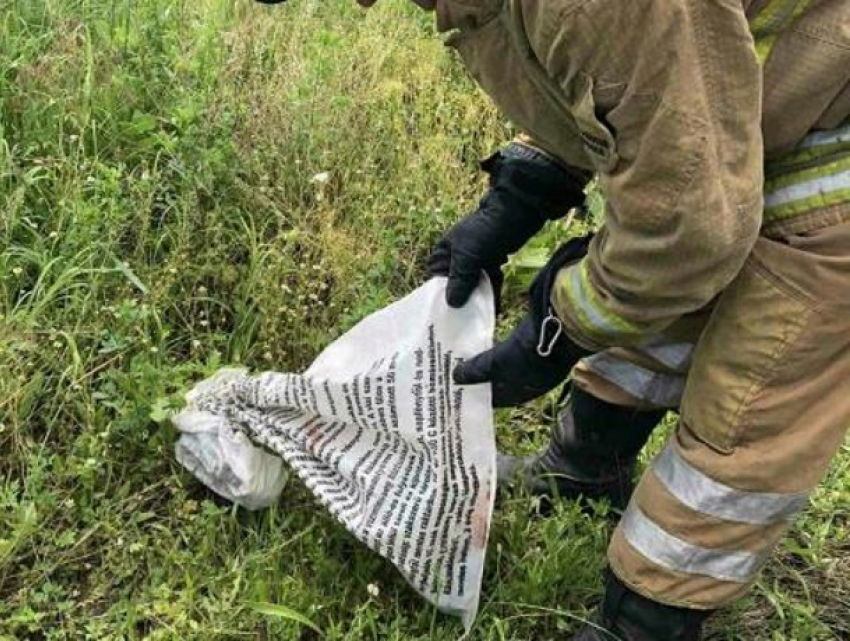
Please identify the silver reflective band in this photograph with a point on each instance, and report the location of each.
(676, 356)
(674, 554)
(815, 187)
(662, 390)
(707, 496)
(820, 138)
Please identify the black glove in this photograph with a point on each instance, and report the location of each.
(538, 355)
(526, 190)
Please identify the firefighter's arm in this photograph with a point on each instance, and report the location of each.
(684, 196)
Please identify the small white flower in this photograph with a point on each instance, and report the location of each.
(373, 590)
(17, 271)
(321, 178)
(196, 344)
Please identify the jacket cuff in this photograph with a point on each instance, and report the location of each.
(525, 149)
(588, 321)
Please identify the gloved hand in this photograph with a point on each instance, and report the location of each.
(526, 189)
(538, 355)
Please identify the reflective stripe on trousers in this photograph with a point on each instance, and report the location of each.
(651, 375)
(710, 498)
(689, 540)
(764, 411)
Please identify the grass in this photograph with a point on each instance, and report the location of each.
(185, 185)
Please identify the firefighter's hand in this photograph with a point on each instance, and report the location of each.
(526, 189)
(531, 362)
(479, 242)
(538, 356)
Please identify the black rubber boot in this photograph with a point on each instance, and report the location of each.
(628, 616)
(591, 455)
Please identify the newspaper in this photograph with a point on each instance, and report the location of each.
(382, 436)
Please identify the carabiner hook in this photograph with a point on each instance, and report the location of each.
(545, 348)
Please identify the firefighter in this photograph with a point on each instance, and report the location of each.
(719, 132)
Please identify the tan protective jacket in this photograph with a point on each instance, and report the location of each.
(681, 107)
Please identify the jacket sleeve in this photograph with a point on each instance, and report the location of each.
(678, 85)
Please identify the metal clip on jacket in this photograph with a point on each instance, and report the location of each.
(544, 347)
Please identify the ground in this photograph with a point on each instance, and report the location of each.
(187, 185)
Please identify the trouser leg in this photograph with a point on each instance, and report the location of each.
(765, 409)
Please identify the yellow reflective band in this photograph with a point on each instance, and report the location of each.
(815, 150)
(771, 21)
(593, 316)
(807, 190)
(807, 205)
(808, 175)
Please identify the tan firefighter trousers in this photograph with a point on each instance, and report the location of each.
(764, 393)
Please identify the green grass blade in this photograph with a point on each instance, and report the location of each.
(283, 612)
